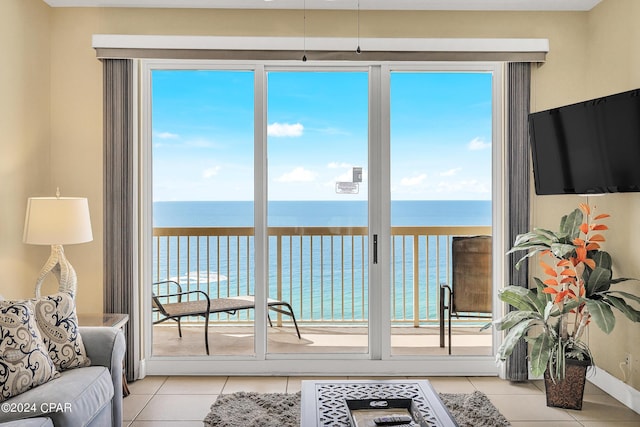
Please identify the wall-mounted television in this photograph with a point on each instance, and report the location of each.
(590, 147)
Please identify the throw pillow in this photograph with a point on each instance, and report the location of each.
(58, 323)
(24, 360)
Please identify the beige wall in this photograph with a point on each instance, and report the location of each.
(611, 65)
(591, 54)
(614, 66)
(25, 124)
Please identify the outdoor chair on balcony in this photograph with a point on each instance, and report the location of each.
(470, 292)
(167, 308)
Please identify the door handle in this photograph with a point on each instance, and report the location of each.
(375, 248)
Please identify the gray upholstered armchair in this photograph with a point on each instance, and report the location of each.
(92, 395)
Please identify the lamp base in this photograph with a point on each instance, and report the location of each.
(62, 269)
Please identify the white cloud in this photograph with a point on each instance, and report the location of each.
(285, 129)
(414, 180)
(209, 172)
(478, 144)
(451, 172)
(299, 174)
(166, 135)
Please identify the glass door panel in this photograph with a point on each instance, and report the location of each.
(441, 175)
(317, 146)
(202, 142)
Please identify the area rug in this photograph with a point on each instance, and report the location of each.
(247, 409)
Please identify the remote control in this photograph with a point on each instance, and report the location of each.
(393, 420)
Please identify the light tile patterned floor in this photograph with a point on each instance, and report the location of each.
(184, 401)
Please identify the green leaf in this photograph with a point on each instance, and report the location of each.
(547, 311)
(602, 314)
(525, 240)
(548, 234)
(570, 305)
(521, 260)
(562, 250)
(620, 304)
(513, 337)
(543, 297)
(540, 354)
(512, 318)
(599, 280)
(521, 298)
(570, 224)
(621, 279)
(623, 294)
(602, 259)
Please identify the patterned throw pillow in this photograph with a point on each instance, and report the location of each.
(58, 323)
(24, 361)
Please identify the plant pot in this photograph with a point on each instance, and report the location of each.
(568, 392)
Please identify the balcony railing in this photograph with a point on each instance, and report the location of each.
(320, 271)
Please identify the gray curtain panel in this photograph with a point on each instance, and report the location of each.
(119, 199)
(519, 83)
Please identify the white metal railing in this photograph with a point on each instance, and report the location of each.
(320, 271)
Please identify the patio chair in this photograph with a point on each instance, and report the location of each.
(204, 306)
(470, 292)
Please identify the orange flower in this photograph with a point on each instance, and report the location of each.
(585, 208)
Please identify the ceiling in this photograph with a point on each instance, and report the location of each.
(533, 5)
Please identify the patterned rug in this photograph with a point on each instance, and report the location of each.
(248, 409)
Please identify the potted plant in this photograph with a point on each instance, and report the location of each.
(576, 290)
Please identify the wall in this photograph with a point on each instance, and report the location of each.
(574, 71)
(25, 122)
(614, 66)
(611, 65)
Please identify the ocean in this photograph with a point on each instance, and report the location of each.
(320, 213)
(323, 278)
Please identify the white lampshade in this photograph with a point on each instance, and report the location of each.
(57, 221)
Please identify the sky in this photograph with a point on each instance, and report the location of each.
(317, 133)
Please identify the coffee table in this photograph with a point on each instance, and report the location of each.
(323, 402)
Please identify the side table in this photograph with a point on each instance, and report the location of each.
(112, 320)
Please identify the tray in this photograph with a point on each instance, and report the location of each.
(363, 411)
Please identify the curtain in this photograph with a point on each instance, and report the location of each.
(120, 237)
(518, 95)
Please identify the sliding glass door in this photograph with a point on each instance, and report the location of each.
(441, 191)
(315, 209)
(317, 139)
(203, 211)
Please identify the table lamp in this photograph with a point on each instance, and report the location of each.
(57, 221)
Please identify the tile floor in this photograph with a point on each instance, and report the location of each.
(159, 401)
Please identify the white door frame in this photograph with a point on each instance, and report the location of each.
(378, 361)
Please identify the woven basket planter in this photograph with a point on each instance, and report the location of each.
(567, 393)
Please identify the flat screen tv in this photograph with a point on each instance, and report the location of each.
(590, 147)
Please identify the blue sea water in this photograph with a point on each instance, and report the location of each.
(350, 282)
(320, 213)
